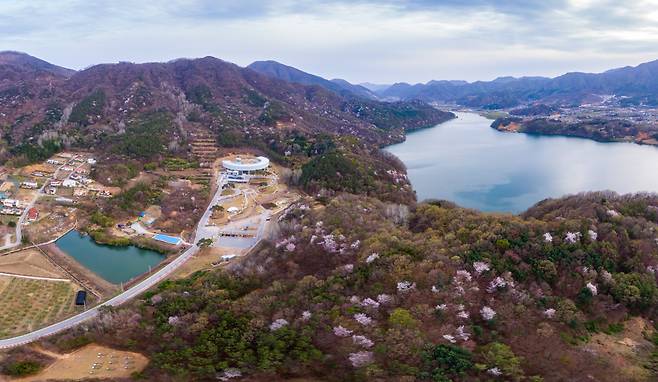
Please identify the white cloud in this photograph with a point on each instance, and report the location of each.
(357, 40)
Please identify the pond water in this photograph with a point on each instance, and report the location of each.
(466, 161)
(114, 264)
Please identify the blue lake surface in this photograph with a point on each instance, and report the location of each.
(466, 161)
(114, 264)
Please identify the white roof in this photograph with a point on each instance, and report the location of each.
(258, 163)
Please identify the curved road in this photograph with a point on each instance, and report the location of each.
(137, 289)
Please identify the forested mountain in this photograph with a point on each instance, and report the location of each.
(42, 108)
(356, 289)
(358, 282)
(290, 74)
(640, 83)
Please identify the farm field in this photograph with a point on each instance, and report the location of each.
(27, 304)
(29, 262)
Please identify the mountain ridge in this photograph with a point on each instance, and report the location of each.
(288, 73)
(569, 89)
(26, 61)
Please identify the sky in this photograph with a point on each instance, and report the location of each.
(357, 40)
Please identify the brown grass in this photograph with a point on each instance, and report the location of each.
(29, 262)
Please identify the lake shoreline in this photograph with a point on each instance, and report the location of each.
(63, 259)
(510, 125)
(114, 264)
(468, 162)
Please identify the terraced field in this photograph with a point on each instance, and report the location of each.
(27, 304)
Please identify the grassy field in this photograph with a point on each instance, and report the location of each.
(27, 304)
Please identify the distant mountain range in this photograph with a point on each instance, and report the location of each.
(638, 85)
(635, 85)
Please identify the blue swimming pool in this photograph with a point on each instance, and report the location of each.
(168, 239)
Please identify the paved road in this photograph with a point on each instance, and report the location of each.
(136, 290)
(21, 220)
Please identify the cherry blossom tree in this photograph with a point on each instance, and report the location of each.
(340, 331)
(406, 286)
(372, 258)
(592, 288)
(384, 299)
(370, 303)
(361, 358)
(572, 237)
(362, 341)
(487, 313)
(278, 324)
(363, 319)
(481, 267)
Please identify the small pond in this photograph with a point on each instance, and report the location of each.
(114, 264)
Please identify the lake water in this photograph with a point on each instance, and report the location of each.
(466, 161)
(114, 264)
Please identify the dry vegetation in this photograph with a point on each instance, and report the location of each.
(27, 304)
(30, 262)
(432, 293)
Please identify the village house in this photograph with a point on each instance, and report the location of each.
(70, 183)
(53, 161)
(32, 214)
(6, 186)
(29, 185)
(10, 203)
(10, 211)
(65, 201)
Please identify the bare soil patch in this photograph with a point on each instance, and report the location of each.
(29, 262)
(92, 361)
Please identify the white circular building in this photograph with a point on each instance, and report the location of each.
(246, 165)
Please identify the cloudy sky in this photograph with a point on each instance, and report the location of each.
(376, 41)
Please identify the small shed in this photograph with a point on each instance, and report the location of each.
(81, 297)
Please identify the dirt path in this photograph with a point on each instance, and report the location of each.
(78, 272)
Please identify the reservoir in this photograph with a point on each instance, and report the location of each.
(468, 162)
(114, 264)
